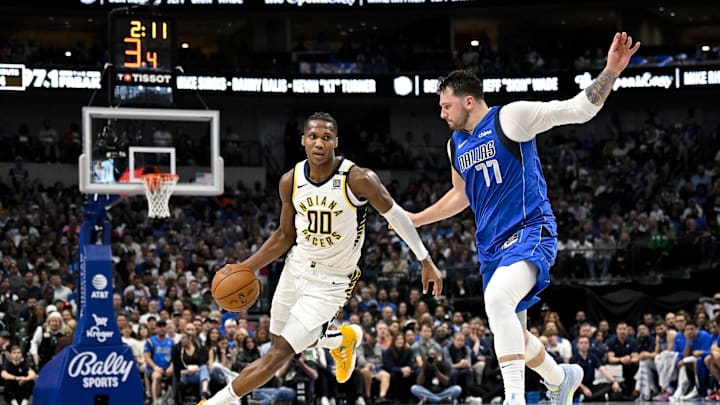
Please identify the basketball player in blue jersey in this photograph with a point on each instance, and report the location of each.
(496, 171)
(322, 223)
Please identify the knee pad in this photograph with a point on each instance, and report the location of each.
(533, 348)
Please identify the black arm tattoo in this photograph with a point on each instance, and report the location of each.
(598, 91)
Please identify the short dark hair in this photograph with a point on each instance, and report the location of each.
(322, 116)
(463, 83)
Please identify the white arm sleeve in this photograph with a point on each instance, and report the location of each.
(397, 217)
(522, 120)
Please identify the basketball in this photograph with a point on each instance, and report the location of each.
(235, 287)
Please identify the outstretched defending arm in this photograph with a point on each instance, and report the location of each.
(522, 120)
(365, 183)
(452, 203)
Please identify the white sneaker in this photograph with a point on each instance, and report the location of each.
(691, 395)
(360, 401)
(563, 394)
(14, 402)
(24, 402)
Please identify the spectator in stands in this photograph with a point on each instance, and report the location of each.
(135, 345)
(590, 363)
(624, 350)
(275, 389)
(189, 362)
(395, 268)
(49, 141)
(19, 378)
(247, 352)
(18, 174)
(372, 265)
(384, 339)
(667, 342)
(555, 345)
(158, 358)
(366, 299)
(325, 386)
(60, 291)
(370, 364)
(648, 359)
(696, 346)
(219, 356)
(460, 358)
(433, 383)
(604, 246)
(398, 361)
(574, 330)
(479, 346)
(45, 339)
(136, 290)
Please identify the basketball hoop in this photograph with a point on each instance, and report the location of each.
(158, 188)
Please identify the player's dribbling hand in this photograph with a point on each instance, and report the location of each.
(430, 273)
(621, 50)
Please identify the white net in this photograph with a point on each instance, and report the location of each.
(158, 189)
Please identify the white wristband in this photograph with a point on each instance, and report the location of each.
(397, 217)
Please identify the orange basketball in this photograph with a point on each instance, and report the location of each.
(235, 287)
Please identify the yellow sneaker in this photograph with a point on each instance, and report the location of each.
(345, 355)
(202, 402)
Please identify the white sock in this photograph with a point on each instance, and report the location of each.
(548, 369)
(224, 397)
(330, 339)
(513, 374)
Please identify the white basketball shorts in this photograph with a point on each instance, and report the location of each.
(312, 294)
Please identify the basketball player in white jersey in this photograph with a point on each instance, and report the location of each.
(322, 223)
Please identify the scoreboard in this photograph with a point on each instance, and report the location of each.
(142, 49)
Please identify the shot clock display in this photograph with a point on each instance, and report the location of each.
(142, 48)
(143, 43)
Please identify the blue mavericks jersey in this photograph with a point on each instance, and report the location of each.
(504, 184)
(160, 350)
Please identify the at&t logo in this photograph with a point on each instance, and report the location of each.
(99, 283)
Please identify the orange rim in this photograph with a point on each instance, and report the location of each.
(155, 181)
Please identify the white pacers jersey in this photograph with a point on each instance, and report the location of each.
(329, 219)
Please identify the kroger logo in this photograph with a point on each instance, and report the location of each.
(94, 332)
(99, 283)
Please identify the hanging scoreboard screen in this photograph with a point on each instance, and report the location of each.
(142, 48)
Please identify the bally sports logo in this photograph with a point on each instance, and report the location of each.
(95, 332)
(99, 283)
(100, 373)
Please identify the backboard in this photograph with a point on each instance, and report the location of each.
(122, 144)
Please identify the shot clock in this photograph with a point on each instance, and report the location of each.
(142, 46)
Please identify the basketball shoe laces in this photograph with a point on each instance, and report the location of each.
(342, 353)
(553, 393)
